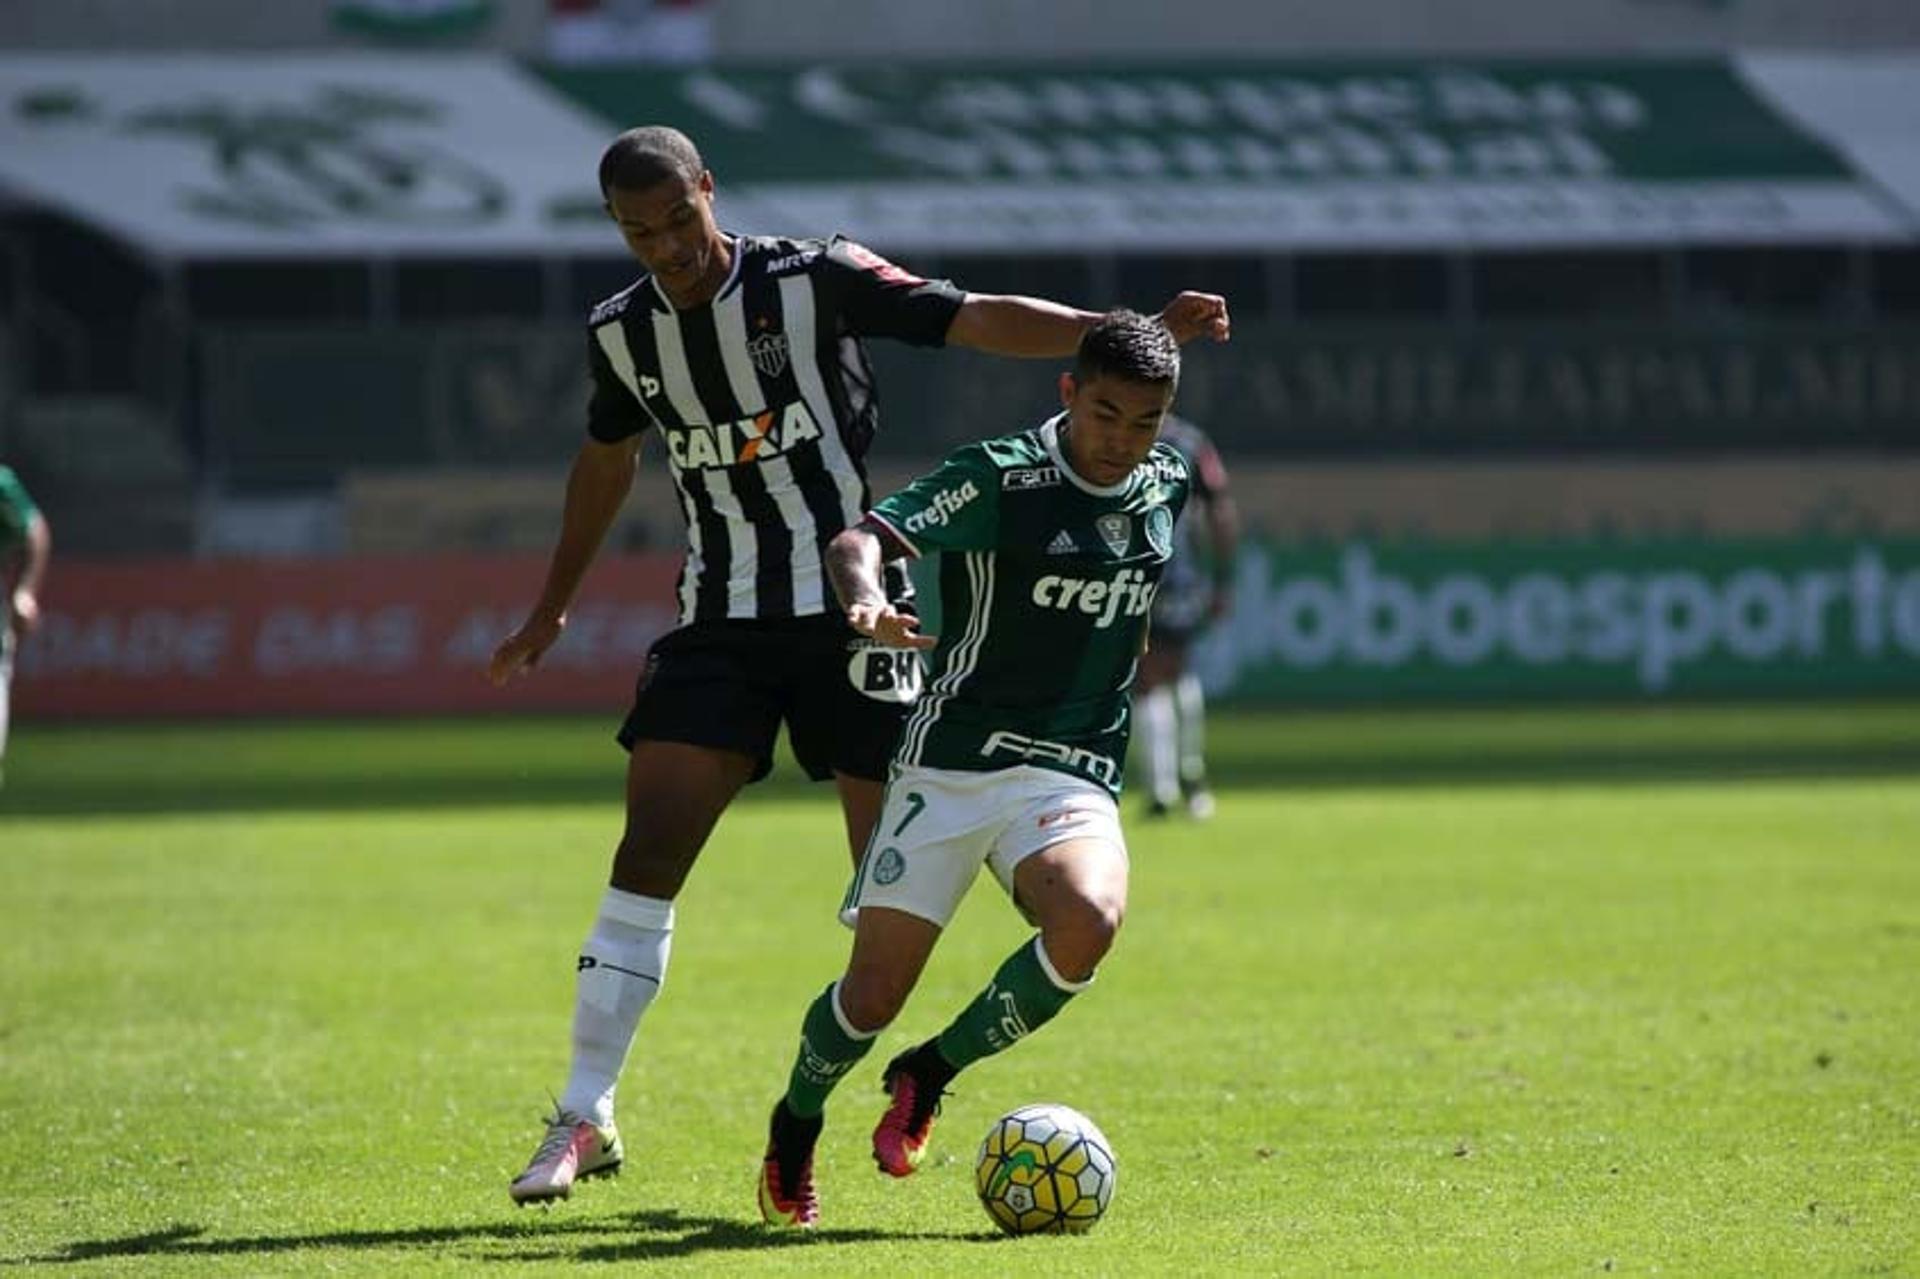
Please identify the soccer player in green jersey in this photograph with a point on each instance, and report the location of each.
(1053, 543)
(25, 546)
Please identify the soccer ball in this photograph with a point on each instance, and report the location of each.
(1045, 1169)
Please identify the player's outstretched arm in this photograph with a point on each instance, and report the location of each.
(1009, 324)
(853, 562)
(602, 476)
(23, 597)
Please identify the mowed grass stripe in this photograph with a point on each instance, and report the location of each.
(350, 763)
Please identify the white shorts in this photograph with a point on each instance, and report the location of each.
(938, 825)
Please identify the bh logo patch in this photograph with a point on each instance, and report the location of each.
(885, 674)
(889, 867)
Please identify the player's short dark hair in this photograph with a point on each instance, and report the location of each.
(1128, 345)
(639, 158)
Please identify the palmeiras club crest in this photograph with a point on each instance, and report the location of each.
(1116, 531)
(769, 353)
(1160, 531)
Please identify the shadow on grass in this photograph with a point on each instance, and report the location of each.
(1758, 762)
(635, 1236)
(158, 794)
(346, 765)
(1762, 761)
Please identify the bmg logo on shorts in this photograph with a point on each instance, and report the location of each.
(1069, 819)
(884, 674)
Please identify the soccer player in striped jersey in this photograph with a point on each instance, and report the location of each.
(1198, 588)
(1054, 541)
(745, 355)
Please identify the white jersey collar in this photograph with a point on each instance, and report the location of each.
(1050, 439)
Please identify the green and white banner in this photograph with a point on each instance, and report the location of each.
(409, 20)
(1379, 623)
(389, 153)
(1326, 154)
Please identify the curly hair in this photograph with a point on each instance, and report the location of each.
(639, 158)
(1128, 345)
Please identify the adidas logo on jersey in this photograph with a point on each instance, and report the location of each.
(701, 446)
(1062, 544)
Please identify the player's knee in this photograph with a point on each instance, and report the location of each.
(871, 996)
(1082, 931)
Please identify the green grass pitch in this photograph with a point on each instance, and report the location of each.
(1533, 992)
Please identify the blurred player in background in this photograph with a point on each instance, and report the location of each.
(1052, 540)
(744, 353)
(25, 546)
(1196, 591)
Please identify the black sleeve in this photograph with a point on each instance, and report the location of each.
(613, 414)
(878, 299)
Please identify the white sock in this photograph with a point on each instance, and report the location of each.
(1157, 726)
(622, 965)
(1193, 730)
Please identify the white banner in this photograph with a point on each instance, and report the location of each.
(315, 154)
(1866, 106)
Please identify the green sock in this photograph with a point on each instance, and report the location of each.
(827, 1052)
(1024, 995)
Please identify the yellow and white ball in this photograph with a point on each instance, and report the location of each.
(1045, 1169)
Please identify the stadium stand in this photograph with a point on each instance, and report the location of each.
(264, 346)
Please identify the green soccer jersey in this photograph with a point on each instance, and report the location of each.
(1045, 587)
(16, 512)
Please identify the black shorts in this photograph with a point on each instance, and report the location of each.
(730, 685)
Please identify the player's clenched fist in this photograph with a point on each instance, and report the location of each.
(1192, 315)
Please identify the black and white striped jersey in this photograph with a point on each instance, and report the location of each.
(765, 401)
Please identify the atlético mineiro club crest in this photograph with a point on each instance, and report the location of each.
(1116, 531)
(769, 353)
